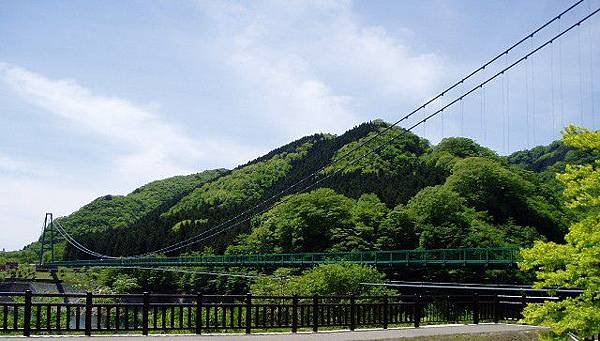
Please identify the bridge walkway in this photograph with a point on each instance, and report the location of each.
(502, 256)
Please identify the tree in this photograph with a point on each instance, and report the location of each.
(326, 279)
(487, 185)
(366, 214)
(506, 194)
(317, 221)
(463, 147)
(25, 271)
(442, 220)
(124, 284)
(575, 264)
(397, 232)
(394, 171)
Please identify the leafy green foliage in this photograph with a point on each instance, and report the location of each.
(575, 264)
(96, 224)
(315, 222)
(442, 220)
(247, 184)
(394, 172)
(328, 279)
(323, 220)
(26, 255)
(23, 271)
(506, 194)
(485, 184)
(462, 147)
(553, 157)
(550, 160)
(124, 284)
(117, 212)
(449, 151)
(397, 156)
(367, 215)
(397, 232)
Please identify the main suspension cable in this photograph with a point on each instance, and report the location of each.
(76, 244)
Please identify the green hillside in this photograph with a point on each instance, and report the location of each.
(552, 157)
(106, 217)
(408, 194)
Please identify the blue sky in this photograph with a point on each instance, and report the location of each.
(101, 97)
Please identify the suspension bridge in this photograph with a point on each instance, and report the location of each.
(493, 75)
(499, 256)
(431, 257)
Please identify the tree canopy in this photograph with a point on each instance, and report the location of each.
(326, 279)
(576, 263)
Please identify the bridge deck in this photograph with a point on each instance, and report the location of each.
(437, 257)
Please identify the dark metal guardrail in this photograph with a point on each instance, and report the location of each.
(500, 256)
(25, 313)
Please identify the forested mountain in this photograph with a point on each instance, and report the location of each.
(108, 215)
(552, 157)
(406, 195)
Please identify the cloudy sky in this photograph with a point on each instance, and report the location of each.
(100, 97)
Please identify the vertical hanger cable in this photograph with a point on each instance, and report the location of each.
(533, 132)
(581, 108)
(590, 27)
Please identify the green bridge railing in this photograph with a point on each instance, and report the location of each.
(500, 256)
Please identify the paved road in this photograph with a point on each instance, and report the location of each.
(390, 334)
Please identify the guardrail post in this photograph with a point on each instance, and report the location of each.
(352, 313)
(199, 302)
(315, 313)
(295, 313)
(496, 308)
(475, 308)
(248, 313)
(523, 302)
(417, 311)
(27, 314)
(88, 313)
(145, 308)
(385, 311)
(448, 314)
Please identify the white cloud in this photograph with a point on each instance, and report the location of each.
(310, 66)
(151, 147)
(9, 165)
(148, 148)
(26, 199)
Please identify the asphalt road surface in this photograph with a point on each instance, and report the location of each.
(390, 334)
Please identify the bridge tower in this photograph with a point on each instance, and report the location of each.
(47, 233)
